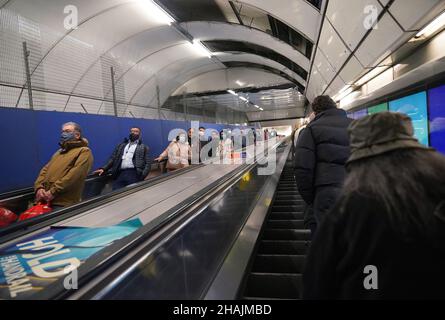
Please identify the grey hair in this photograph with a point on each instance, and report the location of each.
(76, 126)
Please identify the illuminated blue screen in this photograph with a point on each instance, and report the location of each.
(415, 106)
(361, 113)
(437, 118)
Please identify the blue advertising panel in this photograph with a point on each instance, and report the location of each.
(360, 113)
(415, 106)
(437, 118)
(32, 264)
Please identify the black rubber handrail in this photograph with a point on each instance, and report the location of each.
(100, 261)
(22, 228)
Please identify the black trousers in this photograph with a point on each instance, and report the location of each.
(125, 178)
(325, 199)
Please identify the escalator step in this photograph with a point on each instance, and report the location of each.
(288, 208)
(286, 216)
(289, 192)
(284, 286)
(294, 197)
(286, 202)
(285, 224)
(286, 234)
(279, 264)
(283, 247)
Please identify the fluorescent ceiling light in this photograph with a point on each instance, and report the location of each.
(240, 83)
(201, 49)
(232, 92)
(370, 75)
(434, 26)
(156, 12)
(341, 95)
(244, 99)
(261, 109)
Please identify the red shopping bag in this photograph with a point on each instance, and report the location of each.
(35, 211)
(6, 217)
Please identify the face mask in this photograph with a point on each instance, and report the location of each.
(67, 136)
(134, 137)
(182, 139)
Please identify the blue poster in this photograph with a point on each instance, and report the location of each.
(32, 264)
(437, 118)
(415, 106)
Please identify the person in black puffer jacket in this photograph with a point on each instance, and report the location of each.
(320, 156)
(129, 162)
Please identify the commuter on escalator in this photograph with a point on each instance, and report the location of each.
(214, 143)
(129, 162)
(178, 153)
(385, 237)
(203, 141)
(62, 180)
(320, 157)
(225, 147)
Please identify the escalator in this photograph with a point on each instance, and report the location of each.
(276, 269)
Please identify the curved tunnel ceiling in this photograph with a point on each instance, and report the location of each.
(145, 53)
(217, 81)
(238, 13)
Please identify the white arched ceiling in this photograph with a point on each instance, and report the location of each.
(298, 14)
(145, 53)
(238, 83)
(223, 31)
(247, 57)
(220, 80)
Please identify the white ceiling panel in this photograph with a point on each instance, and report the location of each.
(316, 82)
(335, 87)
(349, 18)
(332, 46)
(323, 65)
(171, 77)
(89, 42)
(155, 63)
(351, 70)
(410, 13)
(297, 13)
(223, 31)
(51, 12)
(379, 42)
(246, 57)
(224, 79)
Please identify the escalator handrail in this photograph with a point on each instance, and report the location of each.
(20, 229)
(99, 262)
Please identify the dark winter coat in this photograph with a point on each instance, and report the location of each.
(321, 153)
(357, 233)
(141, 160)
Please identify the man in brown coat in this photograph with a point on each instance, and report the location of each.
(62, 179)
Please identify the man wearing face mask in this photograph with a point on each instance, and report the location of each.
(129, 162)
(61, 181)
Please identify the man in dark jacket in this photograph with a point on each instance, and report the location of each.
(320, 156)
(129, 162)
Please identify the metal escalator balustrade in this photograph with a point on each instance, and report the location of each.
(277, 268)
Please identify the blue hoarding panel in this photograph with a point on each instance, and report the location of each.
(437, 118)
(415, 106)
